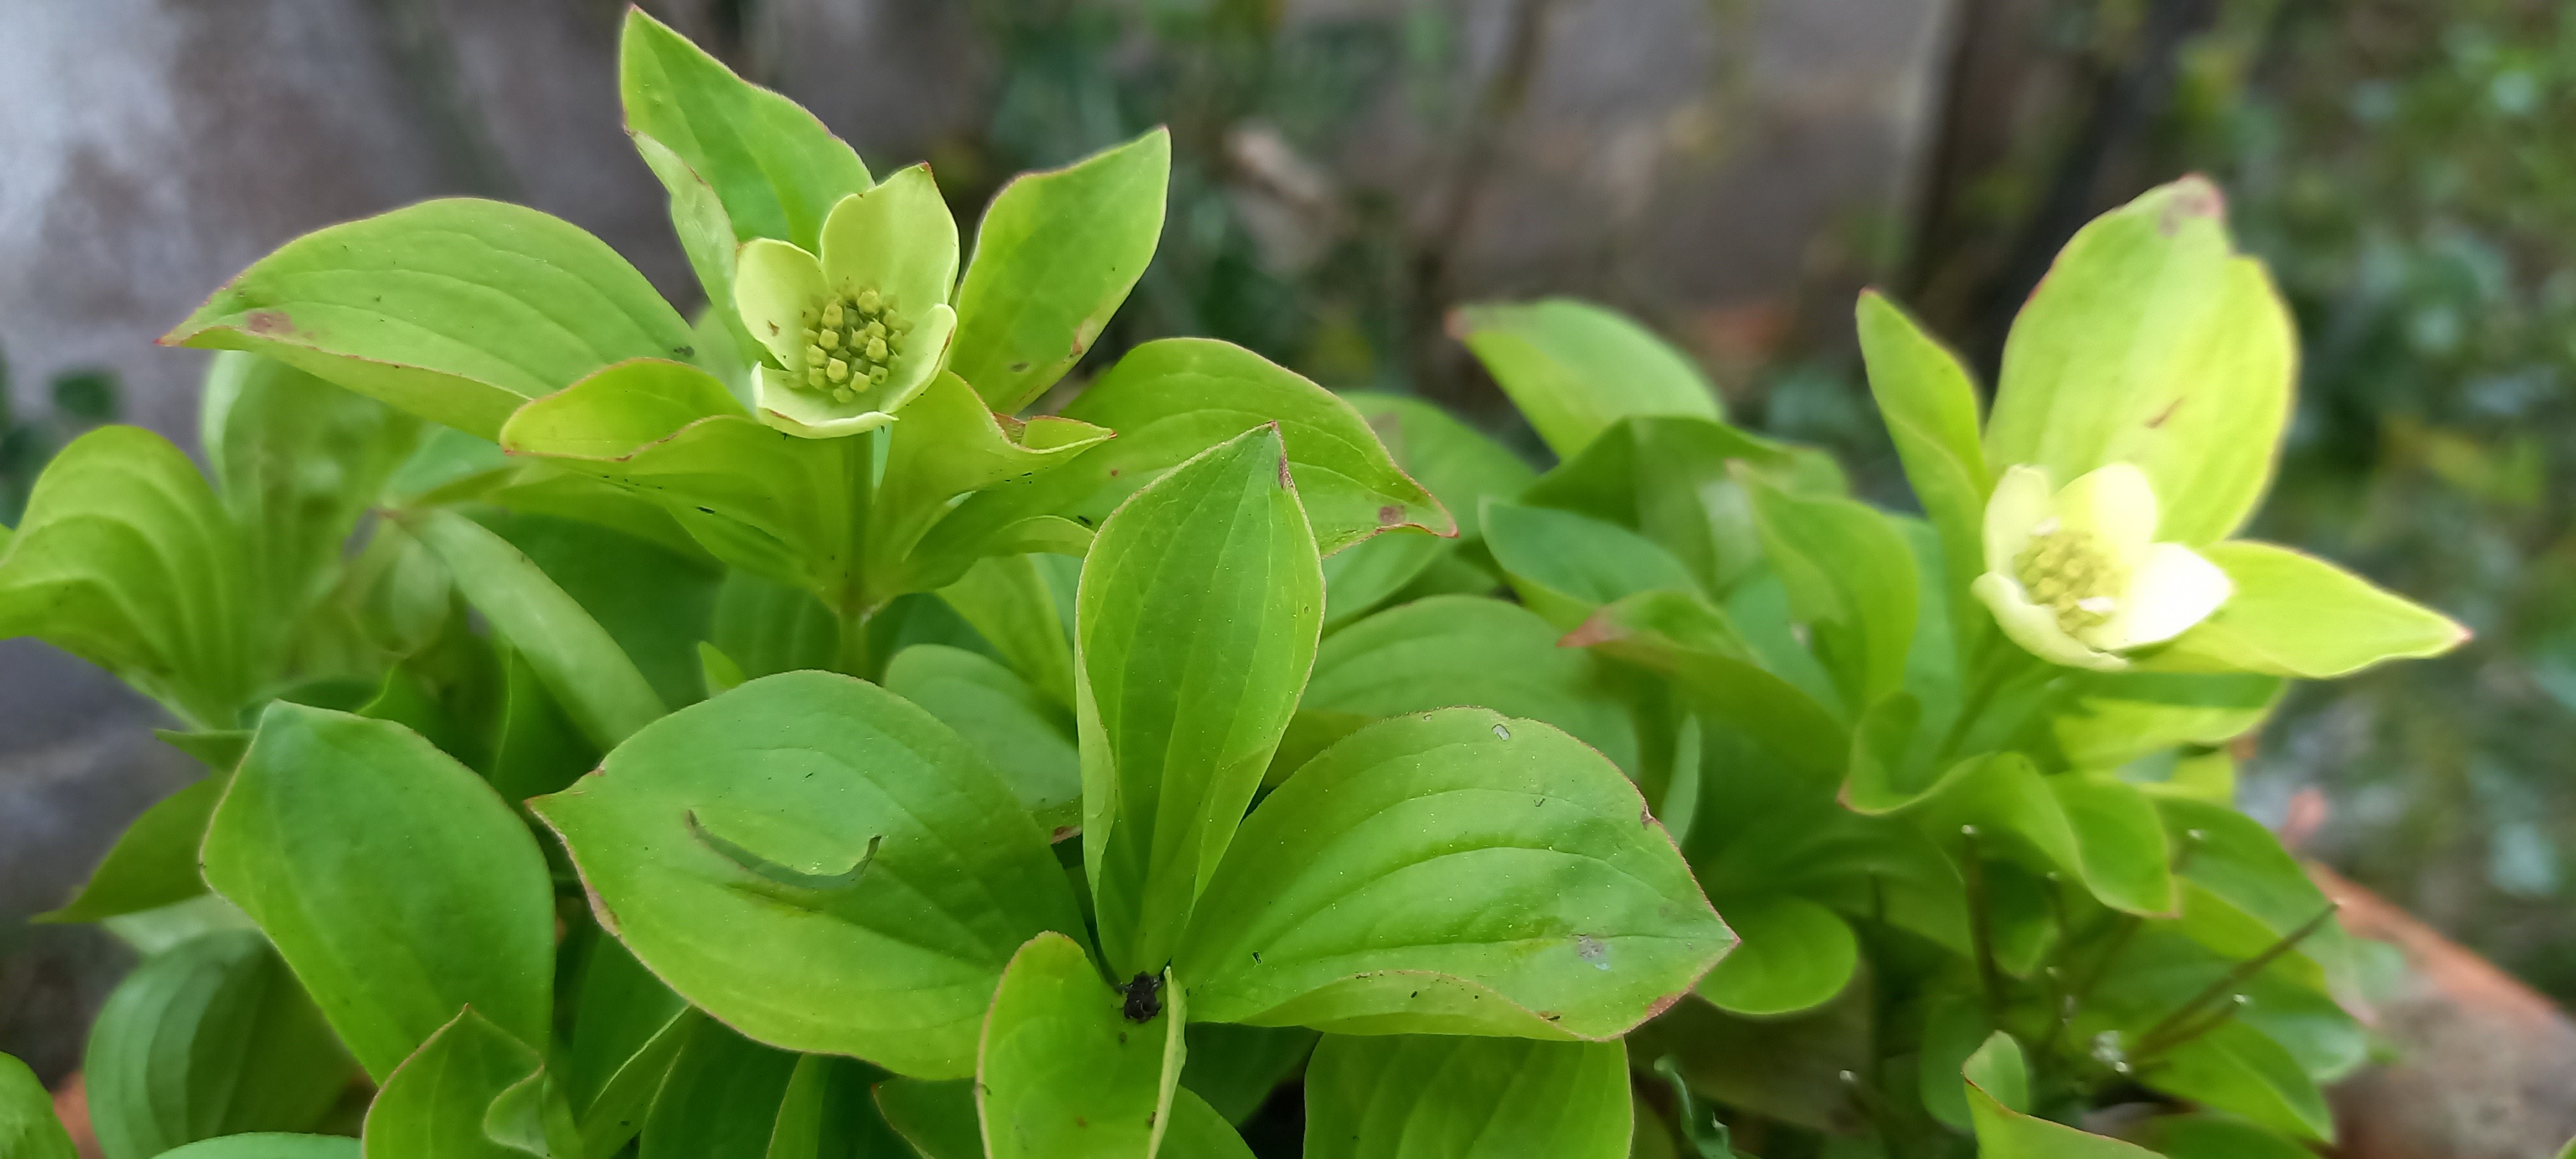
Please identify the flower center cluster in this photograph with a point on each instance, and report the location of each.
(851, 343)
(2068, 571)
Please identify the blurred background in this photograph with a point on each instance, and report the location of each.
(1732, 171)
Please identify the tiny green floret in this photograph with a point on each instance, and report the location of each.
(852, 342)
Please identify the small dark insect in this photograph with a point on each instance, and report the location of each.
(1144, 998)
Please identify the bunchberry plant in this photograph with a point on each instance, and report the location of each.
(1962, 783)
(700, 755)
(757, 736)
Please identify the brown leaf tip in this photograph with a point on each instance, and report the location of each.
(2194, 196)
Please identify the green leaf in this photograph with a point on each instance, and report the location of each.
(1452, 872)
(153, 864)
(1930, 408)
(540, 749)
(2004, 1133)
(777, 171)
(626, 1026)
(28, 1127)
(1173, 398)
(2248, 891)
(826, 1113)
(1671, 479)
(126, 560)
(1955, 1026)
(2296, 615)
(2235, 1068)
(1565, 566)
(721, 1100)
(1235, 1068)
(693, 836)
(1056, 253)
(2206, 1137)
(440, 1103)
(1392, 1096)
(1851, 580)
(580, 664)
(949, 446)
(939, 1119)
(456, 310)
(1698, 647)
(1998, 1069)
(1199, 613)
(2164, 969)
(2113, 718)
(1199, 1132)
(1794, 955)
(2151, 341)
(445, 904)
(1461, 465)
(2100, 832)
(1011, 604)
(768, 627)
(211, 1037)
(654, 603)
(1064, 1071)
(1369, 573)
(1574, 368)
(299, 460)
(1450, 650)
(267, 1145)
(1028, 739)
(706, 231)
(1788, 1069)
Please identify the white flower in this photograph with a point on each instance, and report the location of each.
(2076, 577)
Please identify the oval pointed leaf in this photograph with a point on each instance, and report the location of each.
(210, 1037)
(2296, 615)
(442, 905)
(1448, 651)
(1851, 579)
(1564, 565)
(2004, 1133)
(28, 1126)
(1457, 872)
(578, 661)
(721, 1100)
(1931, 410)
(268, 1145)
(1398, 1096)
(1056, 253)
(728, 845)
(439, 1103)
(154, 863)
(775, 169)
(1064, 1071)
(1028, 739)
(1795, 954)
(125, 559)
(1197, 622)
(1173, 398)
(1574, 368)
(1460, 464)
(456, 310)
(2152, 342)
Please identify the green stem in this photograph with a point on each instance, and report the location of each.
(1990, 976)
(2163, 1033)
(1987, 676)
(851, 656)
